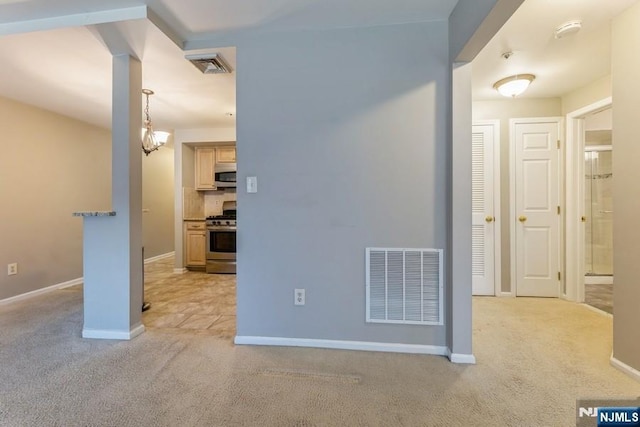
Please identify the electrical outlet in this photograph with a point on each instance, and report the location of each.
(298, 297)
(12, 269)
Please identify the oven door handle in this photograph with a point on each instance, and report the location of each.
(218, 228)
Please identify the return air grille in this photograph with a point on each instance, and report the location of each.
(212, 63)
(404, 286)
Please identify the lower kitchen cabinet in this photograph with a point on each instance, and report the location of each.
(195, 242)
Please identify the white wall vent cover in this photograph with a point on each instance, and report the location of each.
(404, 286)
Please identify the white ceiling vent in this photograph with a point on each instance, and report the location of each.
(210, 63)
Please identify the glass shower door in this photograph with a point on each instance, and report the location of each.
(599, 211)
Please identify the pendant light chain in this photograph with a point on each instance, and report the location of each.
(149, 141)
(147, 120)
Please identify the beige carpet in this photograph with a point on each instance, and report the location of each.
(535, 357)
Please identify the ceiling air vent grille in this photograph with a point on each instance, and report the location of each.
(404, 286)
(211, 63)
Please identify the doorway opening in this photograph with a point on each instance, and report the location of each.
(589, 213)
(598, 209)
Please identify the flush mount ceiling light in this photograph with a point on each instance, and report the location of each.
(211, 63)
(151, 140)
(567, 29)
(513, 86)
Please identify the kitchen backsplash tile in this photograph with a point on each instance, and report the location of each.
(192, 203)
(213, 200)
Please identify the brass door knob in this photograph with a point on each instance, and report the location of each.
(489, 219)
(522, 218)
(583, 219)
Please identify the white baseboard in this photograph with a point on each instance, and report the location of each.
(179, 270)
(42, 291)
(342, 345)
(105, 334)
(623, 367)
(159, 257)
(467, 359)
(598, 280)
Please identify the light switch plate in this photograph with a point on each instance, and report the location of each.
(252, 184)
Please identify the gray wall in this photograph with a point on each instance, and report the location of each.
(459, 305)
(504, 110)
(625, 64)
(48, 171)
(349, 147)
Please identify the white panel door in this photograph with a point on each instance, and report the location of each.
(482, 206)
(537, 207)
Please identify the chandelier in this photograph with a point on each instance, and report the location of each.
(151, 140)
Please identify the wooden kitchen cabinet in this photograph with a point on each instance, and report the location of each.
(195, 244)
(205, 164)
(226, 154)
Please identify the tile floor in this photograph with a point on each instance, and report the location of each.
(194, 302)
(599, 296)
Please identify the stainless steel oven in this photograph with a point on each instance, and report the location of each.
(221, 242)
(221, 249)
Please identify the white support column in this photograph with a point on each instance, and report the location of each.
(113, 244)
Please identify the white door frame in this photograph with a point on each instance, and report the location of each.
(512, 197)
(497, 251)
(574, 288)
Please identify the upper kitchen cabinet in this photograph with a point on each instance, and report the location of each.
(205, 168)
(226, 154)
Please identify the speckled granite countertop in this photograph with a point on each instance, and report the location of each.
(95, 213)
(194, 219)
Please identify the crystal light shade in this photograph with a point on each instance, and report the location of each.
(151, 140)
(513, 86)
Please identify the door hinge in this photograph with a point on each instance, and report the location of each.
(559, 276)
(558, 210)
(558, 144)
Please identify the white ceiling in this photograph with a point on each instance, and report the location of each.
(560, 65)
(66, 67)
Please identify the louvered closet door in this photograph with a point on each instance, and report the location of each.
(483, 225)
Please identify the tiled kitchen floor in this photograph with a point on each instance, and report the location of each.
(194, 302)
(599, 296)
